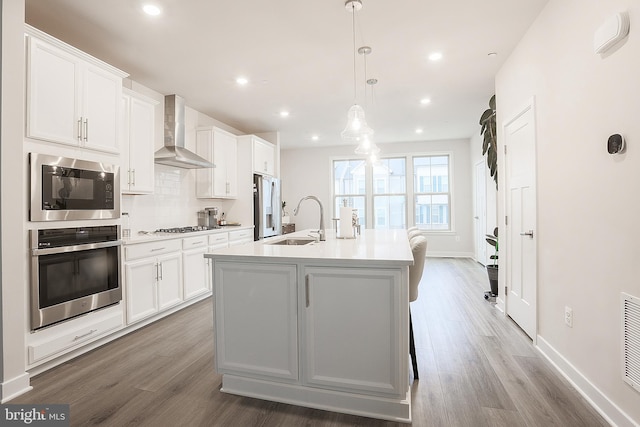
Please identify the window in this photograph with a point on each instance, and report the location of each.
(349, 185)
(390, 193)
(431, 192)
(384, 194)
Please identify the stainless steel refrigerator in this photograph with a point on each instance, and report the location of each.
(267, 207)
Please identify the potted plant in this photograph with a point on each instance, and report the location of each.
(492, 269)
(490, 138)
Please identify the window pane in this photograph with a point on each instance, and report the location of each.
(389, 211)
(389, 176)
(348, 177)
(432, 212)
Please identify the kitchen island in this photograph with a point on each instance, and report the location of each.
(323, 325)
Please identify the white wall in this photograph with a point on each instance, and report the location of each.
(588, 200)
(307, 171)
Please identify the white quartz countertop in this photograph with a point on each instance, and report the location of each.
(379, 247)
(154, 237)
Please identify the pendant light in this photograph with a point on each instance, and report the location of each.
(366, 145)
(357, 128)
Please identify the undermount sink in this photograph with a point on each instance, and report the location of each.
(292, 241)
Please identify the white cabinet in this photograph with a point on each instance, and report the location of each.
(153, 278)
(240, 237)
(352, 338)
(196, 272)
(72, 98)
(221, 148)
(138, 123)
(263, 154)
(256, 319)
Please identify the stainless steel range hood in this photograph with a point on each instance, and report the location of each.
(173, 153)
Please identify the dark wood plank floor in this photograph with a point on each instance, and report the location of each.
(477, 368)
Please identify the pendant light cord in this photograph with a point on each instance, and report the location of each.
(353, 26)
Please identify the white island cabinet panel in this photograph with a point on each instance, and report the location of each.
(255, 310)
(352, 329)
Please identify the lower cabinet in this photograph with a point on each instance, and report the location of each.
(352, 338)
(195, 273)
(348, 321)
(153, 283)
(256, 319)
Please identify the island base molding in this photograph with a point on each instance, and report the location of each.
(398, 410)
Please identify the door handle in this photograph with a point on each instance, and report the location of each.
(527, 233)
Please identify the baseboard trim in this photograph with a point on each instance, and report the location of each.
(398, 410)
(600, 402)
(15, 387)
(443, 254)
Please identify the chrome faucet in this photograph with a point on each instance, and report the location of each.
(321, 230)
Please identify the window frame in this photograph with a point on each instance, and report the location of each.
(409, 187)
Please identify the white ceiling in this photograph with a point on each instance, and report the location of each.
(298, 56)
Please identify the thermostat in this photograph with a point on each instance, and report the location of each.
(615, 144)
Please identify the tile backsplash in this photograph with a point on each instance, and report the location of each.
(173, 204)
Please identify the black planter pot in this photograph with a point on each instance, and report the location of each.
(492, 272)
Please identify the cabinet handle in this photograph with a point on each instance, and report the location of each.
(157, 273)
(80, 129)
(197, 243)
(228, 186)
(134, 177)
(128, 176)
(307, 279)
(86, 129)
(79, 337)
(157, 249)
(161, 272)
(265, 165)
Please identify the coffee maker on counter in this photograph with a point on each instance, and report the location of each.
(208, 218)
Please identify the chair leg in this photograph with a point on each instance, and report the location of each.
(412, 349)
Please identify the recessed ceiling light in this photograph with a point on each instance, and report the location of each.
(242, 81)
(152, 9)
(284, 114)
(492, 54)
(425, 101)
(419, 130)
(315, 137)
(435, 56)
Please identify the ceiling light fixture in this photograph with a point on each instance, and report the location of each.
(242, 81)
(425, 101)
(366, 145)
(284, 114)
(419, 131)
(315, 137)
(357, 128)
(151, 9)
(435, 56)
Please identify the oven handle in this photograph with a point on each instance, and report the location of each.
(75, 248)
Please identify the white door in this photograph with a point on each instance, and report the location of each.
(480, 214)
(520, 208)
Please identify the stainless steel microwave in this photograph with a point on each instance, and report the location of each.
(71, 189)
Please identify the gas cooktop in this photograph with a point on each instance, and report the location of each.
(188, 229)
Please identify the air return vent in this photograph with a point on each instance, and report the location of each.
(631, 337)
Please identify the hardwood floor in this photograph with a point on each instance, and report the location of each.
(477, 368)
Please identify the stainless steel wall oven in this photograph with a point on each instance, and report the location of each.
(73, 271)
(70, 189)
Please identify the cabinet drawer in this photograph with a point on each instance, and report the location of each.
(240, 235)
(194, 242)
(88, 331)
(145, 250)
(218, 239)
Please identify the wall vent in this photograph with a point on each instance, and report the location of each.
(631, 340)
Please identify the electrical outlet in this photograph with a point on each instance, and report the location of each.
(568, 316)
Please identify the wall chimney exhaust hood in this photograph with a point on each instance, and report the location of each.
(174, 153)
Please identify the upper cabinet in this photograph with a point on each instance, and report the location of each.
(264, 155)
(72, 98)
(220, 148)
(138, 123)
